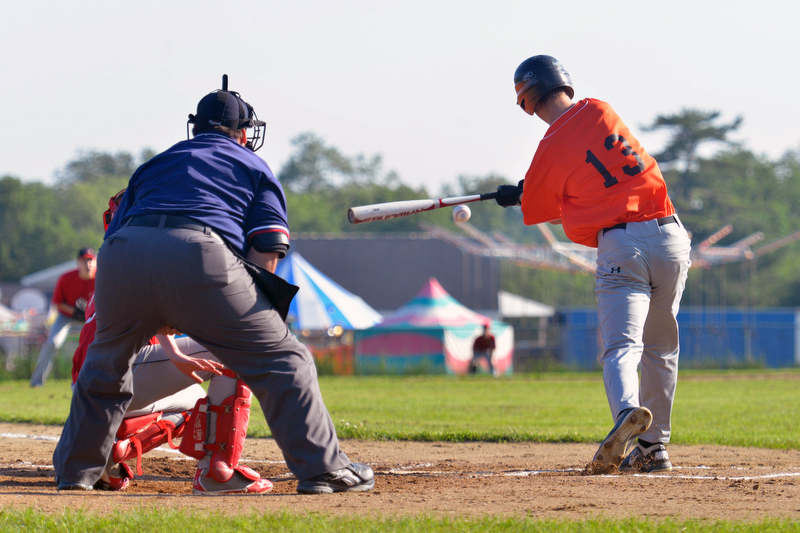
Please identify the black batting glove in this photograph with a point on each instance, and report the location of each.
(79, 314)
(509, 195)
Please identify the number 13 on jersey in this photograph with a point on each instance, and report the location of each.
(610, 144)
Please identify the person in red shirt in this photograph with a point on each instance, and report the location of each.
(591, 175)
(73, 291)
(483, 348)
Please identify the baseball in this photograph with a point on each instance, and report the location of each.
(461, 213)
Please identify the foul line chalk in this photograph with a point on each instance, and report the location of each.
(525, 473)
(30, 437)
(406, 470)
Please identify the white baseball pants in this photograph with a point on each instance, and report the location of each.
(641, 274)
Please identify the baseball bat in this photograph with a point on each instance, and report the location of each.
(389, 210)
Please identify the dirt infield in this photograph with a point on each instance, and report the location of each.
(469, 479)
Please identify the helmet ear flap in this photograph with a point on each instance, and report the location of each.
(528, 109)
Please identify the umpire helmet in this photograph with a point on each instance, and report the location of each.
(226, 108)
(537, 76)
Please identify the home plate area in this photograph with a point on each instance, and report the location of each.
(453, 479)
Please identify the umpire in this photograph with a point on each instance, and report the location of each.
(179, 254)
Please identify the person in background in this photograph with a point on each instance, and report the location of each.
(483, 348)
(73, 291)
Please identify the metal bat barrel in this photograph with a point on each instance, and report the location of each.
(390, 210)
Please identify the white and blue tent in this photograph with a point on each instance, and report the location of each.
(321, 303)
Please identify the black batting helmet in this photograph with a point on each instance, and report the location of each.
(535, 77)
(226, 108)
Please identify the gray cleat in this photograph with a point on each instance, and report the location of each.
(616, 446)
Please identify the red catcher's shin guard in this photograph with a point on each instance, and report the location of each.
(193, 442)
(233, 417)
(139, 435)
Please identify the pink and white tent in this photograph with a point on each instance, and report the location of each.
(433, 333)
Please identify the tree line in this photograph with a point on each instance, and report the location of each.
(43, 225)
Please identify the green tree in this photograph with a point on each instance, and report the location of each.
(35, 232)
(326, 211)
(317, 167)
(321, 184)
(86, 183)
(689, 129)
(92, 165)
(83, 203)
(43, 226)
(753, 195)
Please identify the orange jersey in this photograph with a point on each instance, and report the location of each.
(592, 173)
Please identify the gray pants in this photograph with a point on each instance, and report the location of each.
(55, 340)
(12, 348)
(147, 277)
(159, 386)
(482, 354)
(641, 274)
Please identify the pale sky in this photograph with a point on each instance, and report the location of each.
(427, 84)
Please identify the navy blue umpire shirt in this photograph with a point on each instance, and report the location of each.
(213, 180)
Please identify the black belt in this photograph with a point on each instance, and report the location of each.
(661, 222)
(157, 220)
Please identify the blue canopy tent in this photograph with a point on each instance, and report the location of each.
(321, 303)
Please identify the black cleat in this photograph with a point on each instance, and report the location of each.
(647, 460)
(63, 484)
(352, 478)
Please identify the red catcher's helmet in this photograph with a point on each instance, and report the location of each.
(537, 76)
(113, 205)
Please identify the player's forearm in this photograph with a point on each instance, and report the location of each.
(168, 343)
(267, 261)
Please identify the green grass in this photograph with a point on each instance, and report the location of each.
(168, 521)
(737, 408)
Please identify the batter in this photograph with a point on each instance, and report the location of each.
(592, 175)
